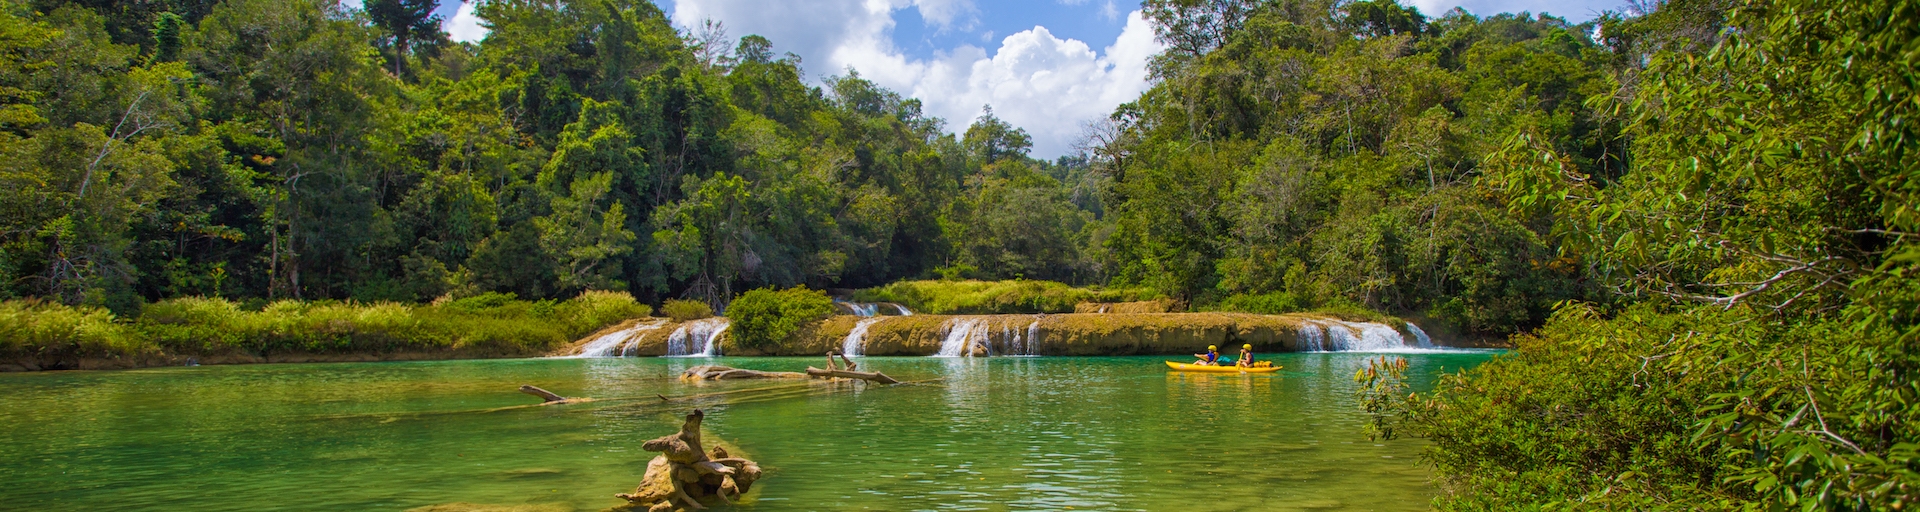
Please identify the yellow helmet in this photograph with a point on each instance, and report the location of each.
(1248, 346)
(1211, 347)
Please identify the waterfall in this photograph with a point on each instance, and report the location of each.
(1338, 336)
(855, 345)
(705, 331)
(872, 309)
(993, 335)
(1362, 337)
(960, 334)
(1313, 337)
(1425, 341)
(606, 345)
(1031, 346)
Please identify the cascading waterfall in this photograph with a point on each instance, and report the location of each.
(1419, 335)
(872, 309)
(1338, 336)
(1028, 346)
(607, 345)
(990, 336)
(960, 334)
(705, 331)
(1313, 337)
(856, 342)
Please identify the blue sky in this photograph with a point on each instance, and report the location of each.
(1047, 66)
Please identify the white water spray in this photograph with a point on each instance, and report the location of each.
(1338, 336)
(606, 345)
(1313, 337)
(855, 344)
(705, 331)
(960, 334)
(1421, 336)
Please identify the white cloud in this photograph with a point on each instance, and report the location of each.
(946, 12)
(1109, 12)
(1034, 80)
(465, 27)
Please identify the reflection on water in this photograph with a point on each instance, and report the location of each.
(968, 433)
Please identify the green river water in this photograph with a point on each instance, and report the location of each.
(1050, 433)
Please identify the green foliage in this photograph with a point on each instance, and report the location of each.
(1760, 353)
(1330, 151)
(765, 317)
(1691, 410)
(1271, 303)
(685, 310)
(492, 324)
(997, 297)
(31, 329)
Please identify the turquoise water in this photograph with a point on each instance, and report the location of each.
(1109, 433)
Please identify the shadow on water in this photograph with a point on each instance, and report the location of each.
(1013, 433)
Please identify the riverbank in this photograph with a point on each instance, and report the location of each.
(1069, 334)
(37, 335)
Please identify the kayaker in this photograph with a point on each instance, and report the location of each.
(1246, 356)
(1211, 358)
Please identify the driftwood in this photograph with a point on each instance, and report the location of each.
(843, 357)
(843, 374)
(712, 372)
(687, 477)
(548, 396)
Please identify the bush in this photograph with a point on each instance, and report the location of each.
(1690, 410)
(765, 317)
(685, 310)
(1273, 303)
(1016, 296)
(495, 323)
(33, 328)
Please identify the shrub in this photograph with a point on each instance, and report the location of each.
(684, 310)
(31, 327)
(1272, 303)
(196, 325)
(483, 301)
(1700, 409)
(1014, 296)
(766, 317)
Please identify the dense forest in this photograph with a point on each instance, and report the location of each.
(1697, 212)
(264, 149)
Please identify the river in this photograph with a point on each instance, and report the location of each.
(1003, 433)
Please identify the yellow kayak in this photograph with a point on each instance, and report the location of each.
(1219, 369)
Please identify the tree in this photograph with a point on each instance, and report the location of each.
(991, 139)
(407, 23)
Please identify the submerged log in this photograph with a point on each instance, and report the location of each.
(685, 477)
(714, 372)
(548, 396)
(843, 374)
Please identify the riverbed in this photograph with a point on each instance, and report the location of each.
(1002, 433)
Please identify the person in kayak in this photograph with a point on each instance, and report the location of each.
(1211, 358)
(1246, 356)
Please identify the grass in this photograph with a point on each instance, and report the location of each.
(997, 297)
(492, 323)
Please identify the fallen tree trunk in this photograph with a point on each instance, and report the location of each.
(708, 372)
(843, 374)
(543, 394)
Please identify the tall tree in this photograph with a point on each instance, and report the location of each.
(407, 23)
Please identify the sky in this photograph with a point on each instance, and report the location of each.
(1047, 66)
